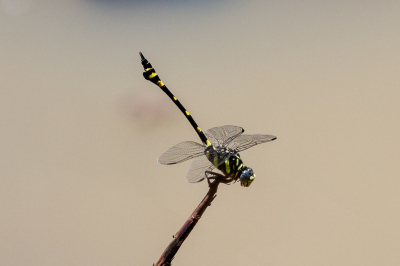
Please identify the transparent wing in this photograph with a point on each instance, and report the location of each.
(244, 142)
(181, 152)
(197, 169)
(220, 137)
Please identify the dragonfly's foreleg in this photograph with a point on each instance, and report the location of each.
(215, 176)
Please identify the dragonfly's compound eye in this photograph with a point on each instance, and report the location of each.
(247, 177)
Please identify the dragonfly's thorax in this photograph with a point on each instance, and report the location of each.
(226, 160)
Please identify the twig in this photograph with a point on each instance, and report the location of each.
(173, 247)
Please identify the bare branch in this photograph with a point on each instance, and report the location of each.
(173, 247)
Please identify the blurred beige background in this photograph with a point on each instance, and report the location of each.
(81, 131)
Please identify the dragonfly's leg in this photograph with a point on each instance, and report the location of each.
(221, 178)
(209, 176)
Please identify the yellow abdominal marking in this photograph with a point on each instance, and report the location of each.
(208, 143)
(174, 98)
(148, 69)
(198, 129)
(152, 75)
(228, 169)
(187, 113)
(160, 84)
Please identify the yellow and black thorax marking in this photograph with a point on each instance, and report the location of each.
(232, 167)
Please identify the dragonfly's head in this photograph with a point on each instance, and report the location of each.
(247, 177)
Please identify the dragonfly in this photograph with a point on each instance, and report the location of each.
(219, 149)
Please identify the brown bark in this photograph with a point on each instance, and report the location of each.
(173, 247)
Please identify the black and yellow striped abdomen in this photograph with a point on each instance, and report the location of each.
(150, 74)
